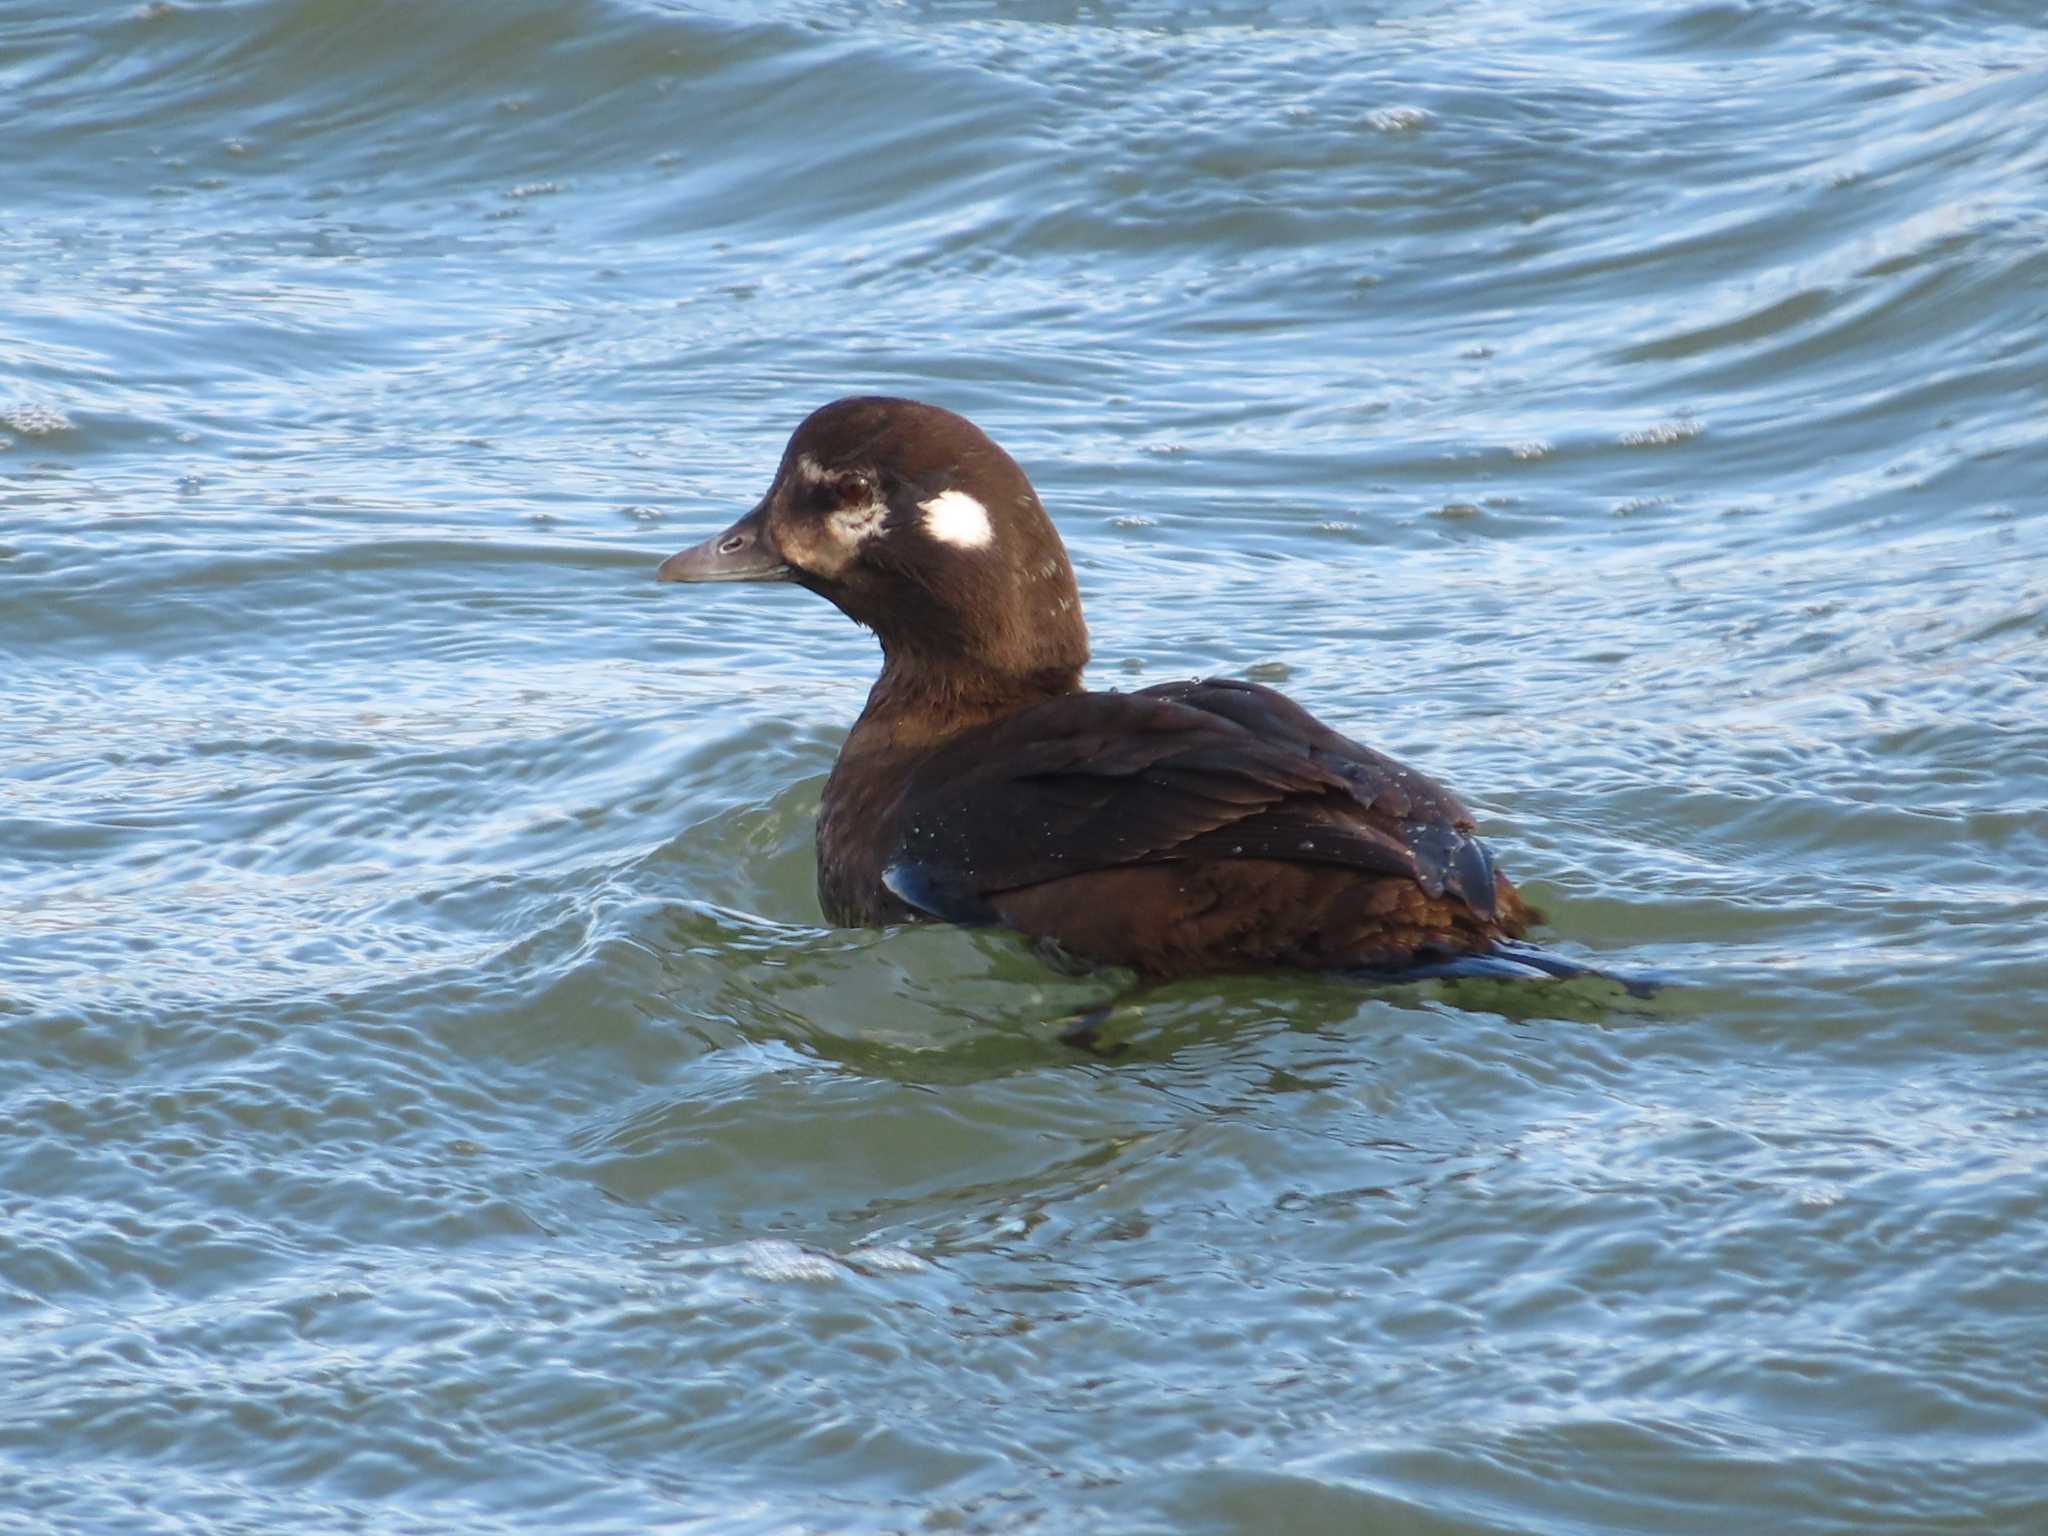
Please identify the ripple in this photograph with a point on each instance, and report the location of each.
(432, 1084)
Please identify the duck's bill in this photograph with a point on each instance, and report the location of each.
(744, 552)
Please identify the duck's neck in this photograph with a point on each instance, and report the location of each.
(912, 711)
(915, 706)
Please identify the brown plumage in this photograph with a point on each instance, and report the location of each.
(1196, 826)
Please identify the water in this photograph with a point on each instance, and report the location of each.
(430, 1101)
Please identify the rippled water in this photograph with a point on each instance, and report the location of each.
(430, 1101)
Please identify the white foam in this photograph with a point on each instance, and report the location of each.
(774, 1258)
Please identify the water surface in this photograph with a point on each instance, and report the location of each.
(430, 1099)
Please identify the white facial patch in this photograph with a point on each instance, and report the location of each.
(844, 530)
(854, 526)
(956, 518)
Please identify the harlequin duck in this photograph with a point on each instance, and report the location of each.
(1190, 827)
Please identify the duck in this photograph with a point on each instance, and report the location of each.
(1194, 827)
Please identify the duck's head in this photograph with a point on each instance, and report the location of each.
(915, 524)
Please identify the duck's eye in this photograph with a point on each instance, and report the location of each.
(849, 488)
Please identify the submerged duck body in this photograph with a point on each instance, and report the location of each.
(1191, 827)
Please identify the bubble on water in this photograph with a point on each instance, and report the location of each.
(1398, 119)
(1818, 1197)
(534, 189)
(644, 514)
(1677, 430)
(235, 146)
(1534, 448)
(1637, 504)
(33, 420)
(1133, 520)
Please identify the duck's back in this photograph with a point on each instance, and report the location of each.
(1196, 826)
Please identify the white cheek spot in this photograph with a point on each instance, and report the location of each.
(956, 518)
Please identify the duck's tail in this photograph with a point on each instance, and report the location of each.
(1511, 960)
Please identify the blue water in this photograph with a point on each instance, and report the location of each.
(429, 1099)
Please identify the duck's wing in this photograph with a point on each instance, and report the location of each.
(1215, 770)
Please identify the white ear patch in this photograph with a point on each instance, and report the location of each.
(956, 518)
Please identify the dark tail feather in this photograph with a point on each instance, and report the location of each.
(1509, 960)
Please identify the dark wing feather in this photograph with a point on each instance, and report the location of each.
(1211, 770)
